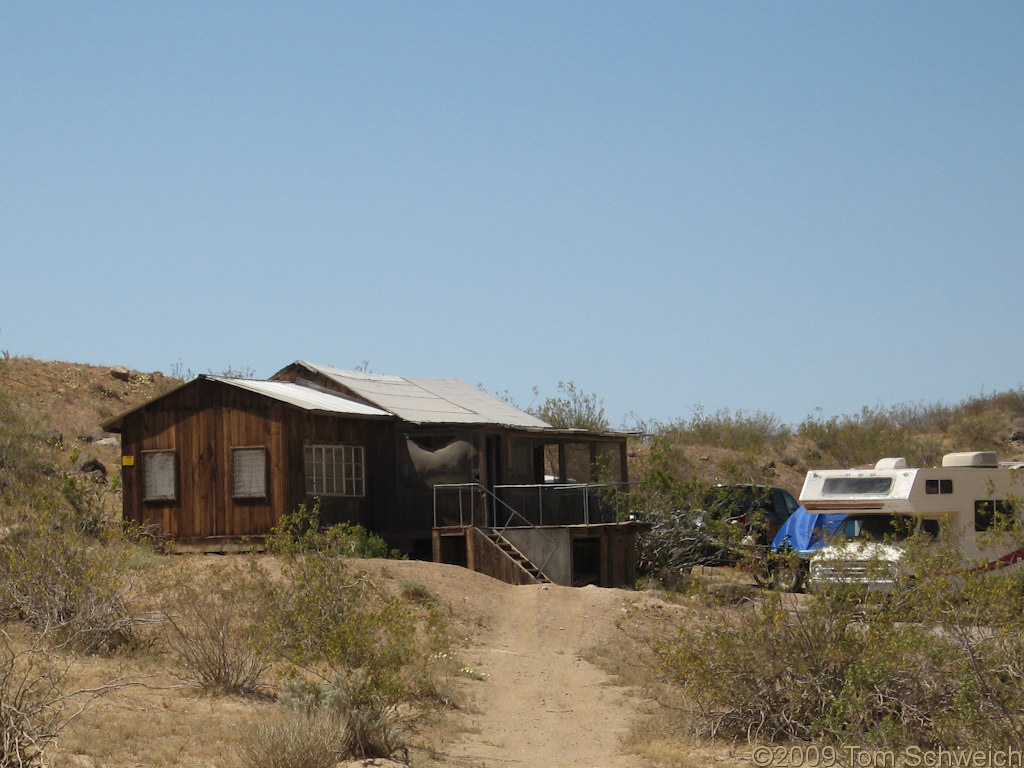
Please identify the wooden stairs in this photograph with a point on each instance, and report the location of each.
(515, 555)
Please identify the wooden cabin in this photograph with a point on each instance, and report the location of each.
(436, 467)
(219, 460)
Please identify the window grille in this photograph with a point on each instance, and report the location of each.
(335, 470)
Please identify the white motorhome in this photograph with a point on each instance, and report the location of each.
(963, 502)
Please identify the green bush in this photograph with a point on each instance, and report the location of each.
(351, 647)
(366, 721)
(303, 531)
(29, 461)
(572, 409)
(850, 441)
(329, 618)
(724, 429)
(416, 591)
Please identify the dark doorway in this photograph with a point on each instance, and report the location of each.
(453, 550)
(586, 561)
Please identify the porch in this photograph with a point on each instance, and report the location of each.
(572, 534)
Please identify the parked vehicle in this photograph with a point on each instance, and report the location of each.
(803, 534)
(737, 521)
(759, 509)
(968, 502)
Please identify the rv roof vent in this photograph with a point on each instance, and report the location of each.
(971, 459)
(891, 463)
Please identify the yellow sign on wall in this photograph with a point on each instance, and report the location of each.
(127, 461)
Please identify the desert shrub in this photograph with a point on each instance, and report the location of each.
(303, 531)
(36, 701)
(923, 419)
(212, 617)
(66, 569)
(937, 662)
(725, 429)
(28, 461)
(72, 588)
(984, 430)
(324, 723)
(328, 618)
(365, 649)
(30, 685)
(874, 433)
(366, 720)
(572, 409)
(294, 740)
(682, 534)
(416, 591)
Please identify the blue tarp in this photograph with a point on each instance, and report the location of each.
(807, 531)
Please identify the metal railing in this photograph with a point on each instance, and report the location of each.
(565, 503)
(477, 491)
(530, 505)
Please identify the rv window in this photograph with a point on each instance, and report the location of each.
(989, 513)
(854, 486)
(877, 527)
(938, 486)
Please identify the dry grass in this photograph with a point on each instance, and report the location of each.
(657, 741)
(161, 721)
(160, 725)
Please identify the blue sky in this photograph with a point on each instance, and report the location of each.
(790, 207)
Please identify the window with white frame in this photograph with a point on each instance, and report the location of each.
(249, 473)
(159, 480)
(335, 470)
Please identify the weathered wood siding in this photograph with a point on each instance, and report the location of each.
(203, 421)
(374, 510)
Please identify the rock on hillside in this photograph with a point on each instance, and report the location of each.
(69, 401)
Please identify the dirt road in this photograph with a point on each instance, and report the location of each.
(540, 702)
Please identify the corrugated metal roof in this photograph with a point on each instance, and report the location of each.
(430, 401)
(304, 397)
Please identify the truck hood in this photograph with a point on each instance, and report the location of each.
(859, 551)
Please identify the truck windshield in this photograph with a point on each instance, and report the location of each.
(855, 486)
(877, 527)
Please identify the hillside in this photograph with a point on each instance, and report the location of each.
(75, 398)
(535, 682)
(71, 400)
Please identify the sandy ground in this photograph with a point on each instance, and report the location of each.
(540, 702)
(532, 698)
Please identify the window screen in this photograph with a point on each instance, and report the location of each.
(158, 476)
(249, 473)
